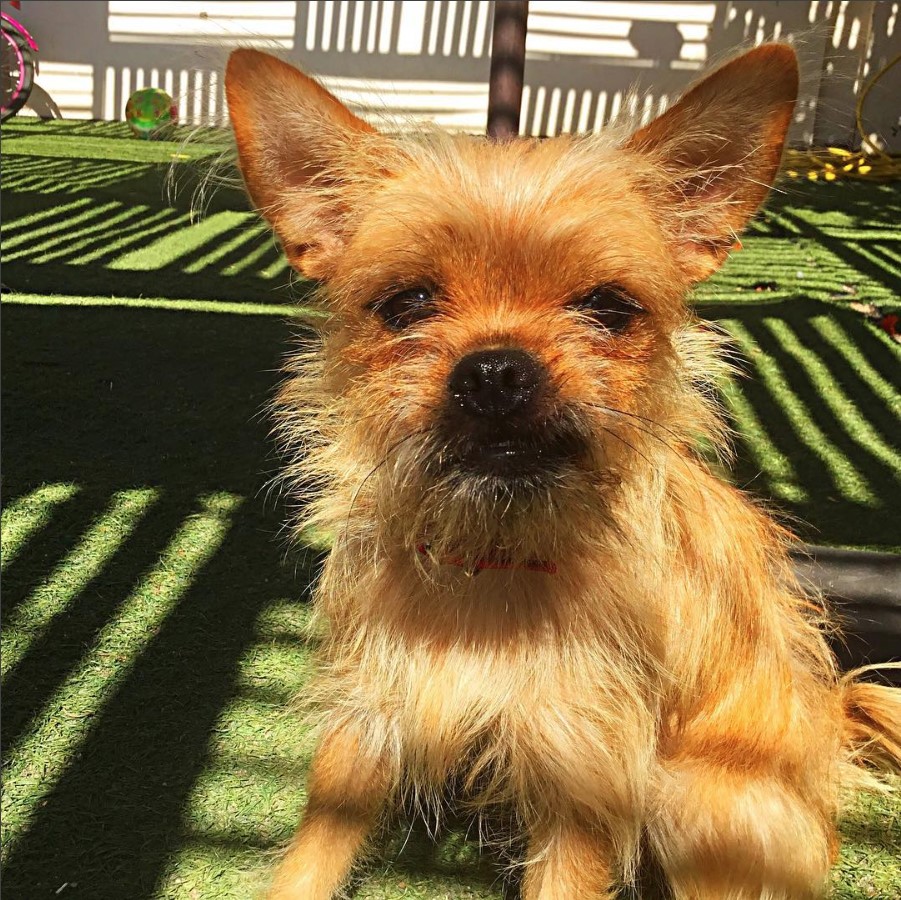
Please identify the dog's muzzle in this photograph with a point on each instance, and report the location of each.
(497, 420)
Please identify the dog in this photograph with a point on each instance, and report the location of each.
(538, 590)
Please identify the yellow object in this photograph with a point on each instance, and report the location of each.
(869, 162)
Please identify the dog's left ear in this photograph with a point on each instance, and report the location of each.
(718, 150)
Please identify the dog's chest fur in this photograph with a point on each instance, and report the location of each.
(478, 678)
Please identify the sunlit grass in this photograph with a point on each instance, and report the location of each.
(249, 233)
(254, 783)
(250, 259)
(86, 147)
(20, 229)
(35, 240)
(842, 342)
(890, 266)
(833, 396)
(253, 789)
(26, 173)
(170, 247)
(80, 241)
(89, 224)
(137, 230)
(63, 724)
(847, 480)
(276, 268)
(214, 865)
(198, 306)
(891, 255)
(84, 561)
(26, 515)
(777, 468)
(869, 865)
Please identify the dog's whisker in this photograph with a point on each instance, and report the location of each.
(373, 471)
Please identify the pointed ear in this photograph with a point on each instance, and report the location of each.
(291, 135)
(719, 149)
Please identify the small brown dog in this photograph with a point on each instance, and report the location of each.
(509, 386)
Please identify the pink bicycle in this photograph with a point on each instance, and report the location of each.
(18, 65)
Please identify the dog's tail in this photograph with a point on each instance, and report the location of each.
(872, 714)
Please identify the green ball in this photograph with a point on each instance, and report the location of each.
(150, 112)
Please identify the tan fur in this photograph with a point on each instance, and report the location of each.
(669, 683)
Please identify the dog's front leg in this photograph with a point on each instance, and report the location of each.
(348, 785)
(567, 860)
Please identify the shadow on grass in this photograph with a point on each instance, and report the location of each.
(115, 816)
(112, 400)
(408, 853)
(90, 228)
(847, 486)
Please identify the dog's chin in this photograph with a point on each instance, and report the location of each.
(512, 464)
(504, 498)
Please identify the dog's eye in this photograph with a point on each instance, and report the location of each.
(406, 308)
(610, 306)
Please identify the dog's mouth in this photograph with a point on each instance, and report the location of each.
(523, 455)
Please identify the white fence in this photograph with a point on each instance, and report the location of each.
(401, 61)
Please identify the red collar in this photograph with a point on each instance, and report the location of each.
(529, 565)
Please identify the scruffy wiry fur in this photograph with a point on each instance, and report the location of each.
(633, 665)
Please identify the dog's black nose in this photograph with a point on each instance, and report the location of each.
(496, 384)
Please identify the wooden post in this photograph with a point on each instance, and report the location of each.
(508, 63)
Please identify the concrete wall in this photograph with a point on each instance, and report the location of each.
(400, 61)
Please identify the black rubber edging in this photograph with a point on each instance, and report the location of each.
(865, 591)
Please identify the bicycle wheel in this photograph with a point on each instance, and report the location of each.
(16, 72)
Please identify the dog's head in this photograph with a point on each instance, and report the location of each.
(506, 340)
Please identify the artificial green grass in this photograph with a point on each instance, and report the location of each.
(201, 306)
(154, 623)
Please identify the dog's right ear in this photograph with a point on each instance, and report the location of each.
(292, 135)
